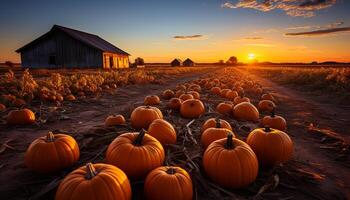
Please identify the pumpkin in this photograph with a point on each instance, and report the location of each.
(143, 116)
(113, 86)
(212, 134)
(246, 112)
(186, 96)
(216, 90)
(224, 92)
(70, 97)
(231, 95)
(224, 108)
(230, 162)
(192, 108)
(114, 120)
(51, 153)
(19, 103)
(8, 98)
(175, 103)
(195, 87)
(21, 117)
(268, 96)
(95, 182)
(271, 146)
(266, 105)
(151, 100)
(179, 93)
(170, 183)
(135, 153)
(274, 121)
(181, 87)
(258, 91)
(2, 107)
(215, 123)
(240, 99)
(195, 94)
(168, 94)
(163, 131)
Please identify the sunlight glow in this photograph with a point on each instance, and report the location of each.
(251, 56)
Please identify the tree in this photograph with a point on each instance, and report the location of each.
(232, 60)
(221, 62)
(139, 61)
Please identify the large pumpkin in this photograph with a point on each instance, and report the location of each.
(151, 100)
(170, 183)
(271, 146)
(230, 162)
(266, 105)
(163, 131)
(224, 108)
(95, 182)
(114, 120)
(175, 103)
(135, 153)
(52, 153)
(143, 116)
(212, 134)
(246, 112)
(274, 121)
(192, 108)
(215, 123)
(21, 117)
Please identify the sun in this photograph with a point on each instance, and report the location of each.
(251, 56)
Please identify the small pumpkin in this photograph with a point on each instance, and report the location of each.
(224, 92)
(179, 93)
(266, 105)
(104, 181)
(143, 116)
(2, 107)
(135, 153)
(195, 94)
(186, 96)
(163, 131)
(246, 112)
(215, 123)
(216, 90)
(52, 153)
(70, 97)
(175, 103)
(224, 108)
(19, 103)
(114, 120)
(168, 94)
(171, 183)
(268, 96)
(271, 146)
(21, 117)
(151, 100)
(240, 99)
(192, 108)
(231, 95)
(212, 134)
(230, 162)
(258, 91)
(274, 121)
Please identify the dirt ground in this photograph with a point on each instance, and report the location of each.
(320, 168)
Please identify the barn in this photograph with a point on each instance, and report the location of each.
(64, 47)
(176, 62)
(188, 63)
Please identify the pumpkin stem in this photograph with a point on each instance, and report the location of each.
(139, 138)
(50, 137)
(90, 171)
(273, 112)
(171, 170)
(229, 142)
(217, 121)
(267, 129)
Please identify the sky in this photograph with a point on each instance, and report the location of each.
(203, 30)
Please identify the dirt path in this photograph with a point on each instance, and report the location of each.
(300, 111)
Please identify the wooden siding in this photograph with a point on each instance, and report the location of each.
(119, 61)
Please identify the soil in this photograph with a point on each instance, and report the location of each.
(320, 168)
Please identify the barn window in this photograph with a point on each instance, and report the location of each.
(52, 59)
(111, 61)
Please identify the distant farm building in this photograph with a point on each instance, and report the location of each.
(63, 47)
(176, 62)
(188, 63)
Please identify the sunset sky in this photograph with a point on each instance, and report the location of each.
(204, 30)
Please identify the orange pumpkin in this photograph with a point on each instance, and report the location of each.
(224, 108)
(192, 108)
(274, 121)
(175, 103)
(215, 123)
(266, 105)
(181, 87)
(224, 92)
(230, 162)
(240, 99)
(52, 153)
(168, 94)
(186, 96)
(21, 117)
(195, 94)
(114, 120)
(271, 146)
(135, 153)
(212, 134)
(195, 87)
(2, 107)
(268, 96)
(143, 116)
(95, 182)
(246, 112)
(70, 97)
(231, 95)
(19, 102)
(258, 91)
(216, 90)
(170, 183)
(151, 100)
(163, 131)
(179, 93)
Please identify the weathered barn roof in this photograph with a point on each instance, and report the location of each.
(86, 38)
(176, 60)
(188, 61)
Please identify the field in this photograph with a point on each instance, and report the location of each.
(313, 101)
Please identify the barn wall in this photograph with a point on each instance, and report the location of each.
(119, 61)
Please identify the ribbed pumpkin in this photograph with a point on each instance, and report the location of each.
(240, 99)
(151, 100)
(271, 146)
(268, 96)
(186, 96)
(114, 120)
(230, 162)
(192, 108)
(95, 182)
(143, 116)
(168, 183)
(246, 112)
(216, 90)
(21, 117)
(274, 121)
(212, 134)
(195, 94)
(224, 108)
(266, 105)
(215, 123)
(175, 103)
(135, 153)
(231, 95)
(224, 92)
(179, 93)
(163, 131)
(168, 94)
(52, 153)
